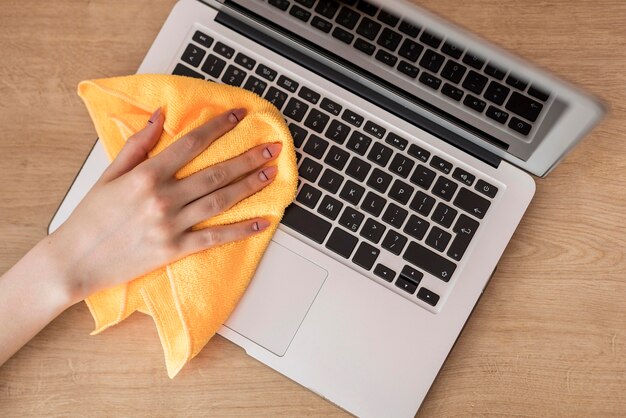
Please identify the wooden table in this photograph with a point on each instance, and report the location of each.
(547, 338)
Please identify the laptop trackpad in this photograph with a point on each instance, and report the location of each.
(277, 299)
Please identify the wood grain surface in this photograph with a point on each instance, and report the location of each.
(548, 338)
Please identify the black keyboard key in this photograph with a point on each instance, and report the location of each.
(416, 227)
(386, 58)
(453, 71)
(367, 8)
(372, 230)
(330, 207)
(395, 215)
(401, 165)
(364, 46)
(310, 170)
(327, 8)
(358, 169)
(181, 69)
(465, 228)
(428, 296)
(411, 274)
(365, 256)
(432, 61)
(452, 92)
(300, 13)
(337, 157)
(406, 285)
(471, 203)
(419, 153)
(321, 24)
(213, 66)
(296, 109)
(352, 192)
(330, 106)
(422, 203)
(373, 204)
(234, 76)
(410, 50)
(496, 114)
(368, 28)
(337, 131)
(203, 39)
(306, 223)
(342, 35)
(475, 82)
(255, 85)
(423, 177)
(309, 196)
(463, 176)
(430, 80)
(266, 72)
(306, 3)
(516, 82)
(352, 118)
(315, 146)
(281, 4)
(409, 28)
(316, 120)
(496, 93)
(298, 134)
(193, 55)
(224, 50)
(430, 261)
(380, 154)
(523, 106)
(245, 61)
(330, 181)
(351, 219)
(444, 188)
(441, 164)
(408, 69)
(389, 39)
(276, 97)
(486, 188)
(520, 126)
(430, 39)
(473, 60)
(384, 272)
(396, 141)
(394, 242)
(452, 50)
(379, 180)
(495, 71)
(388, 18)
(287, 83)
(538, 93)
(347, 18)
(474, 103)
(359, 142)
(309, 95)
(298, 157)
(374, 129)
(341, 242)
(444, 215)
(401, 192)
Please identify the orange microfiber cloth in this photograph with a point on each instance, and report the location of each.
(191, 298)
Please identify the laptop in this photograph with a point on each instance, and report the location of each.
(416, 143)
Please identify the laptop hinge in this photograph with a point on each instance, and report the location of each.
(350, 84)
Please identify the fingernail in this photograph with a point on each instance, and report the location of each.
(260, 225)
(272, 150)
(155, 116)
(236, 115)
(268, 173)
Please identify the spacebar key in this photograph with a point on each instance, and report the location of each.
(306, 223)
(430, 261)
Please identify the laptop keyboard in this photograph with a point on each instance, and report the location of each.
(393, 210)
(463, 77)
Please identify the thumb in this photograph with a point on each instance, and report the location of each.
(136, 149)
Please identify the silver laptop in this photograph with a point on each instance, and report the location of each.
(415, 141)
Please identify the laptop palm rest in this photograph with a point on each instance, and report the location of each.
(277, 299)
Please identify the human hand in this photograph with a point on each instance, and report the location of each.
(138, 216)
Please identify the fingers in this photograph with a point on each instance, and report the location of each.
(136, 149)
(223, 199)
(195, 241)
(185, 149)
(220, 175)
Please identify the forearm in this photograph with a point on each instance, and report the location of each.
(32, 294)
